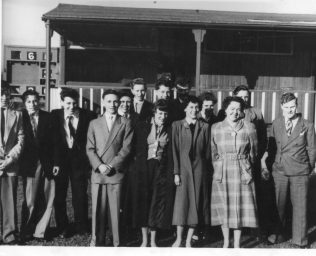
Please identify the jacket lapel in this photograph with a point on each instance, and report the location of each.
(10, 120)
(296, 132)
(112, 134)
(80, 124)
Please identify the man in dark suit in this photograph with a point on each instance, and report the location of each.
(140, 106)
(11, 144)
(36, 166)
(70, 126)
(108, 146)
(295, 143)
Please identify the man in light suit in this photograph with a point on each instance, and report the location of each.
(295, 143)
(11, 144)
(108, 146)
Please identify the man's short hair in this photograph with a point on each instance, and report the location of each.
(208, 96)
(138, 81)
(182, 83)
(163, 82)
(287, 97)
(126, 94)
(110, 91)
(240, 88)
(230, 99)
(193, 99)
(30, 93)
(69, 92)
(161, 105)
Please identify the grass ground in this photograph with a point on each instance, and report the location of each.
(213, 240)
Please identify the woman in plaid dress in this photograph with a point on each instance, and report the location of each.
(234, 150)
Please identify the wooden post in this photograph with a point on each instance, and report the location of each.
(48, 51)
(198, 36)
(62, 60)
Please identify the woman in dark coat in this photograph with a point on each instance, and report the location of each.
(151, 148)
(191, 152)
(234, 151)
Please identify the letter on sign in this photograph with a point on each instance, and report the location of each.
(31, 55)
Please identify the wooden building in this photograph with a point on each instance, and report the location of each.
(106, 46)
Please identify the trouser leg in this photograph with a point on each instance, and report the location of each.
(49, 192)
(299, 191)
(114, 193)
(60, 206)
(80, 202)
(281, 192)
(31, 189)
(101, 215)
(8, 204)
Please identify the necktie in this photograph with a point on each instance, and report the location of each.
(71, 128)
(2, 123)
(288, 127)
(33, 123)
(110, 122)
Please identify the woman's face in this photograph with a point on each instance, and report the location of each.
(233, 111)
(192, 110)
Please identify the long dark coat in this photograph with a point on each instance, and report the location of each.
(195, 176)
(159, 208)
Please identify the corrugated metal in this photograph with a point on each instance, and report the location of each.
(177, 17)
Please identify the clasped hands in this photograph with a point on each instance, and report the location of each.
(105, 169)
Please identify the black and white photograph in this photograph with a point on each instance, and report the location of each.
(158, 126)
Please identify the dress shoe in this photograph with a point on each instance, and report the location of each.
(65, 234)
(296, 246)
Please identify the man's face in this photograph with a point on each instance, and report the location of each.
(160, 117)
(70, 105)
(163, 92)
(208, 106)
(244, 95)
(139, 92)
(125, 104)
(31, 104)
(5, 99)
(191, 110)
(183, 93)
(289, 109)
(111, 103)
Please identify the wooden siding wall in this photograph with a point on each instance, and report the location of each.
(262, 72)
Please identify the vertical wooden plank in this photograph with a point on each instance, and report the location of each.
(263, 101)
(273, 115)
(219, 100)
(306, 106)
(80, 97)
(101, 101)
(91, 99)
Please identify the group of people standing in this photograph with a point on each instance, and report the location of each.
(154, 165)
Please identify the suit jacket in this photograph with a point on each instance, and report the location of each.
(79, 162)
(38, 147)
(146, 111)
(113, 148)
(295, 155)
(13, 140)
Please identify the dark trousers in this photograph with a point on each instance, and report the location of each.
(79, 185)
(298, 187)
